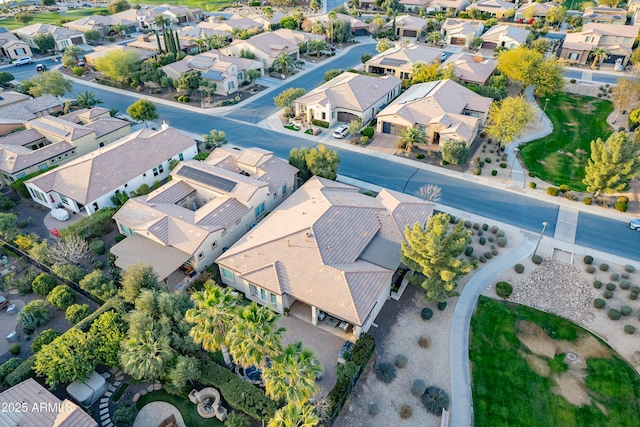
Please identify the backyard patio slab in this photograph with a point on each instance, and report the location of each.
(152, 414)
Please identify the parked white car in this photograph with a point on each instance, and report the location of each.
(341, 131)
(23, 61)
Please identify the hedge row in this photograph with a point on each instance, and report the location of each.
(22, 372)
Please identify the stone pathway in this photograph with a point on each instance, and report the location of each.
(105, 416)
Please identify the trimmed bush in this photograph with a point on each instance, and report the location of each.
(620, 206)
(374, 409)
(500, 233)
(320, 123)
(482, 240)
(482, 259)
(61, 297)
(7, 367)
(485, 227)
(625, 310)
(426, 313)
(97, 247)
(435, 400)
(587, 201)
(418, 388)
(406, 412)
(45, 337)
(537, 259)
(553, 191)
(504, 289)
(588, 259)
(480, 232)
(488, 255)
(611, 286)
(476, 226)
(123, 415)
(607, 294)
(615, 277)
(590, 269)
(625, 284)
(614, 314)
(401, 361)
(629, 268)
(385, 372)
(424, 341)
(368, 132)
(633, 296)
(491, 238)
(442, 305)
(34, 314)
(629, 329)
(604, 267)
(120, 237)
(599, 303)
(15, 349)
(635, 289)
(477, 171)
(494, 172)
(532, 185)
(43, 284)
(503, 165)
(597, 284)
(77, 312)
(518, 268)
(501, 242)
(468, 250)
(495, 229)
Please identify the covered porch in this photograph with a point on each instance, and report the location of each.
(325, 321)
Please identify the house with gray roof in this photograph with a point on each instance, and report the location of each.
(460, 32)
(206, 207)
(497, 8)
(17, 108)
(87, 183)
(103, 23)
(40, 408)
(327, 254)
(63, 37)
(444, 109)
(347, 97)
(408, 26)
(12, 47)
(399, 61)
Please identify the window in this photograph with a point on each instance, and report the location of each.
(38, 114)
(324, 115)
(275, 194)
(200, 255)
(125, 229)
(284, 189)
(574, 56)
(214, 244)
(157, 170)
(227, 274)
(180, 156)
(254, 290)
(240, 77)
(231, 86)
(260, 210)
(64, 199)
(101, 144)
(43, 167)
(263, 294)
(588, 39)
(21, 175)
(20, 51)
(333, 114)
(273, 298)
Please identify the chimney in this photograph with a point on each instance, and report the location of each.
(478, 57)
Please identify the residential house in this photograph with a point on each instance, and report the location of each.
(232, 26)
(100, 51)
(266, 47)
(368, 4)
(298, 37)
(12, 47)
(538, 10)
(149, 42)
(496, 8)
(42, 408)
(266, 23)
(227, 72)
(50, 141)
(445, 110)
(616, 39)
(348, 97)
(189, 36)
(358, 27)
(399, 61)
(452, 6)
(633, 7)
(470, 68)
(17, 108)
(414, 5)
(87, 183)
(461, 32)
(507, 36)
(104, 24)
(144, 17)
(604, 15)
(206, 207)
(408, 26)
(63, 37)
(327, 255)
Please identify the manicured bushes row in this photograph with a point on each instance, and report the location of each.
(320, 123)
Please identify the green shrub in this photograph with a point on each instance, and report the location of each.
(553, 191)
(385, 372)
(78, 71)
(7, 367)
(480, 232)
(435, 400)
(418, 388)
(608, 294)
(482, 240)
(599, 303)
(97, 247)
(488, 255)
(34, 314)
(368, 132)
(629, 329)
(468, 250)
(633, 296)
(504, 289)
(98, 264)
(622, 199)
(362, 350)
(406, 412)
(401, 361)
(494, 172)
(487, 160)
(43, 284)
(564, 188)
(614, 314)
(611, 286)
(477, 171)
(426, 313)
(77, 312)
(61, 297)
(22, 372)
(590, 269)
(15, 349)
(629, 268)
(442, 305)
(123, 415)
(495, 229)
(597, 284)
(45, 337)
(537, 259)
(533, 185)
(635, 289)
(482, 259)
(625, 310)
(419, 156)
(615, 277)
(320, 123)
(625, 284)
(503, 165)
(604, 267)
(588, 259)
(500, 233)
(96, 224)
(620, 206)
(476, 226)
(518, 268)
(501, 242)
(120, 237)
(587, 201)
(374, 409)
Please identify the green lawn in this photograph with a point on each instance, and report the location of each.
(50, 18)
(507, 392)
(573, 4)
(560, 158)
(184, 405)
(206, 6)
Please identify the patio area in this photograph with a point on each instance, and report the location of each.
(154, 413)
(326, 322)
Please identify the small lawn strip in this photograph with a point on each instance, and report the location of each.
(560, 157)
(118, 394)
(292, 127)
(308, 132)
(51, 17)
(507, 392)
(188, 410)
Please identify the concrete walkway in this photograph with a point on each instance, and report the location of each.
(152, 414)
(461, 401)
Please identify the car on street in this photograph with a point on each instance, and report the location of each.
(41, 68)
(86, 5)
(341, 131)
(635, 224)
(24, 60)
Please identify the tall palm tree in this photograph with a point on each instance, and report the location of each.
(292, 375)
(213, 316)
(119, 29)
(293, 415)
(332, 17)
(87, 99)
(161, 21)
(200, 43)
(318, 46)
(73, 50)
(283, 62)
(255, 335)
(145, 356)
(599, 54)
(268, 12)
(411, 136)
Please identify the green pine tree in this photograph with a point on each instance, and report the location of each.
(613, 164)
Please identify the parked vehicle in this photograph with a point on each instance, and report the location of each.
(635, 224)
(41, 68)
(23, 61)
(341, 131)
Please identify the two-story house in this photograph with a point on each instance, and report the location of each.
(408, 26)
(616, 39)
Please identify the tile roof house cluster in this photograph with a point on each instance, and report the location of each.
(400, 60)
(189, 34)
(327, 254)
(539, 10)
(265, 46)
(447, 5)
(445, 110)
(263, 20)
(604, 15)
(63, 37)
(460, 32)
(227, 72)
(616, 39)
(358, 27)
(230, 27)
(144, 17)
(50, 141)
(87, 183)
(12, 47)
(17, 108)
(408, 26)
(347, 97)
(506, 36)
(472, 68)
(203, 210)
(102, 23)
(43, 409)
(496, 8)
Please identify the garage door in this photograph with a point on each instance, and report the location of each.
(611, 59)
(346, 117)
(386, 127)
(76, 40)
(409, 33)
(489, 45)
(459, 41)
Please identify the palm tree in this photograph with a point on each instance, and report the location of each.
(87, 99)
(113, 112)
(411, 136)
(119, 29)
(73, 50)
(434, 37)
(161, 21)
(317, 45)
(213, 315)
(268, 12)
(283, 62)
(599, 54)
(145, 356)
(255, 335)
(332, 18)
(292, 375)
(293, 415)
(201, 43)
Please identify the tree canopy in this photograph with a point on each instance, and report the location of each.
(117, 6)
(51, 83)
(143, 110)
(613, 164)
(67, 358)
(136, 278)
(118, 65)
(322, 162)
(508, 118)
(45, 42)
(527, 67)
(285, 98)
